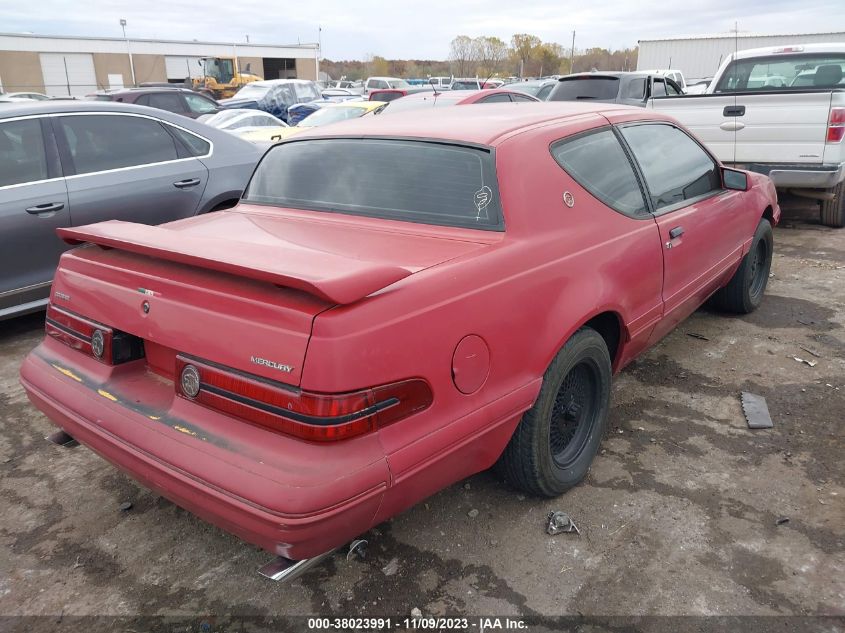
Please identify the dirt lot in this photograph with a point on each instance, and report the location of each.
(678, 515)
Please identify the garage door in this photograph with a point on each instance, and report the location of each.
(68, 74)
(181, 67)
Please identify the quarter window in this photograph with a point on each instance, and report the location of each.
(22, 155)
(598, 163)
(103, 142)
(195, 145)
(675, 167)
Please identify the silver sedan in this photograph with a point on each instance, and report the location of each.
(73, 163)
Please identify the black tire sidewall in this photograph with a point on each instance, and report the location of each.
(763, 232)
(585, 345)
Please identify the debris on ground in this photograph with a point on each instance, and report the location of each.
(416, 613)
(391, 568)
(472, 513)
(809, 351)
(756, 411)
(700, 337)
(782, 520)
(811, 363)
(126, 506)
(560, 522)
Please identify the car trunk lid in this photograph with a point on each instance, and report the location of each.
(240, 288)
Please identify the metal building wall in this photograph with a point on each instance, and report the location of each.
(699, 57)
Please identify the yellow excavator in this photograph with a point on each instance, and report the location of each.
(221, 77)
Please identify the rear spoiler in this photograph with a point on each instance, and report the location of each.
(332, 277)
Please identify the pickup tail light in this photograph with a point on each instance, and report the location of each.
(836, 125)
(317, 417)
(102, 342)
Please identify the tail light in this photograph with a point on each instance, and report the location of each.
(836, 125)
(104, 343)
(317, 417)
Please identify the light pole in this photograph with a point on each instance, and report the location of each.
(128, 50)
(319, 51)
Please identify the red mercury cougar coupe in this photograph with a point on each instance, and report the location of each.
(394, 305)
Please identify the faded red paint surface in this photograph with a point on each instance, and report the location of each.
(350, 303)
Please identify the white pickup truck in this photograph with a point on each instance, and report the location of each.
(777, 111)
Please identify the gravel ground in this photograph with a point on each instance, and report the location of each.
(678, 516)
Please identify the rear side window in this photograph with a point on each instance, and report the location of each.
(414, 181)
(585, 87)
(675, 167)
(635, 89)
(22, 155)
(782, 72)
(169, 101)
(598, 163)
(103, 142)
(195, 145)
(497, 98)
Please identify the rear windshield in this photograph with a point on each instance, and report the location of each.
(784, 72)
(576, 88)
(414, 181)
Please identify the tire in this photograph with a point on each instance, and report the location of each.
(833, 211)
(573, 403)
(744, 292)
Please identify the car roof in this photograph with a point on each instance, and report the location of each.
(798, 49)
(354, 103)
(65, 106)
(278, 82)
(456, 95)
(144, 89)
(481, 124)
(619, 74)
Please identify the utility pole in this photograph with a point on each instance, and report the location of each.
(319, 51)
(128, 50)
(572, 55)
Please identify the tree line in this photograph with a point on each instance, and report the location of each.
(487, 56)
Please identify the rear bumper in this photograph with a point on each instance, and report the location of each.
(798, 175)
(84, 413)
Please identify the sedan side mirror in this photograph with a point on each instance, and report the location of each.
(734, 179)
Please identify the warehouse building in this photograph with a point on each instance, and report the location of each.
(700, 56)
(76, 66)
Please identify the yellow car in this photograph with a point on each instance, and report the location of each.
(251, 125)
(333, 113)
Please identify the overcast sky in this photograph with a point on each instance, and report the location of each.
(403, 29)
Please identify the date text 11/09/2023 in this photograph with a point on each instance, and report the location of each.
(479, 624)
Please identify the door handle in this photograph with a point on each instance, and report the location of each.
(676, 232)
(185, 184)
(732, 126)
(736, 110)
(47, 207)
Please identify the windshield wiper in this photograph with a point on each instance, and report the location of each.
(584, 97)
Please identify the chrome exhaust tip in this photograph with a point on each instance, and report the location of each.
(62, 438)
(283, 569)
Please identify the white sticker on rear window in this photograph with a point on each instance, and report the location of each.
(482, 198)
